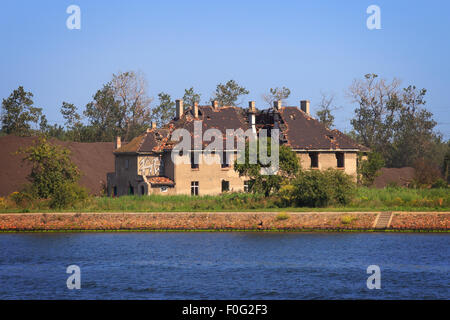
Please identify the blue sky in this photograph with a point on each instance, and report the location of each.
(307, 46)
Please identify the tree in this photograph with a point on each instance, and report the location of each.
(165, 111)
(377, 104)
(72, 121)
(190, 97)
(393, 122)
(413, 136)
(229, 93)
(18, 113)
(276, 94)
(324, 111)
(105, 115)
(51, 167)
(289, 166)
(129, 89)
(369, 169)
(120, 108)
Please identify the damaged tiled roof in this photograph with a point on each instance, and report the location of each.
(163, 181)
(304, 132)
(298, 129)
(151, 141)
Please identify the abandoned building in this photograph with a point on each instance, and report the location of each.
(144, 165)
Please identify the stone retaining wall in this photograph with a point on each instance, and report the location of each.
(218, 221)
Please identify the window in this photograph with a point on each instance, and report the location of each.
(130, 190)
(194, 160)
(314, 156)
(164, 189)
(194, 188)
(225, 185)
(115, 191)
(246, 185)
(225, 160)
(127, 163)
(340, 159)
(142, 190)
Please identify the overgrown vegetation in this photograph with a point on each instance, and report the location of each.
(365, 199)
(53, 176)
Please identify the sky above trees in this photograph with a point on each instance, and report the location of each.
(310, 48)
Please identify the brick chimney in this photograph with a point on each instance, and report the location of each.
(215, 104)
(304, 105)
(195, 110)
(180, 108)
(118, 143)
(252, 115)
(277, 104)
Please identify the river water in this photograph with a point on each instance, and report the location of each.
(224, 265)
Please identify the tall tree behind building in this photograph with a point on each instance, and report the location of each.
(276, 94)
(229, 94)
(165, 111)
(19, 113)
(393, 122)
(324, 110)
(190, 97)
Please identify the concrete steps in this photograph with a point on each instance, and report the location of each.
(383, 220)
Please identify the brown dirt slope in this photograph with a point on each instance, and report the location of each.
(93, 159)
(401, 176)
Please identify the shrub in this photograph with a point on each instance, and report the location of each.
(440, 183)
(282, 216)
(69, 194)
(348, 219)
(369, 169)
(321, 188)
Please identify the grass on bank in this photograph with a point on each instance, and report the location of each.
(366, 199)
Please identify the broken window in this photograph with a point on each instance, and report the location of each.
(225, 185)
(340, 159)
(194, 188)
(225, 160)
(194, 159)
(314, 156)
(247, 186)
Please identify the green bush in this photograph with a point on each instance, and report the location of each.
(68, 194)
(320, 188)
(440, 183)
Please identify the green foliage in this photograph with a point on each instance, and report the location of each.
(165, 111)
(440, 183)
(276, 94)
(394, 122)
(229, 93)
(18, 113)
(348, 219)
(190, 97)
(68, 194)
(314, 188)
(53, 175)
(263, 183)
(282, 216)
(104, 115)
(369, 169)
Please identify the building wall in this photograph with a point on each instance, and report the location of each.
(123, 177)
(209, 176)
(328, 160)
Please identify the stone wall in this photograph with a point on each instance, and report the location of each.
(220, 221)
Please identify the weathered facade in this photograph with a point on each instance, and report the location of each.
(149, 165)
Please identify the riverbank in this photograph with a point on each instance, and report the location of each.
(227, 221)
